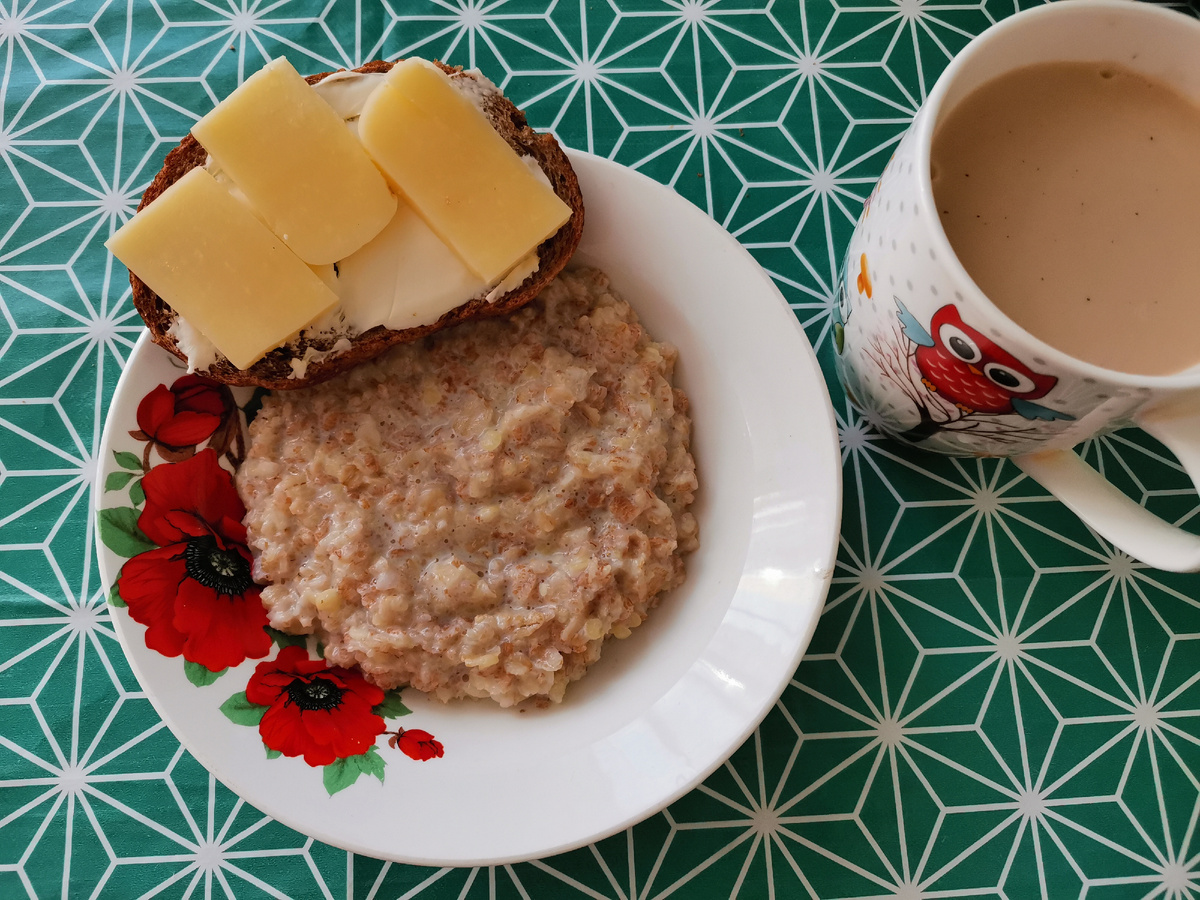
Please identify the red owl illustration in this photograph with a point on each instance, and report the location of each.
(970, 371)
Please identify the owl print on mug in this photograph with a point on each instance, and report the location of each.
(958, 380)
(972, 372)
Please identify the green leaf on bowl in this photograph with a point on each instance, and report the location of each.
(120, 532)
(114, 597)
(200, 676)
(241, 711)
(341, 773)
(283, 639)
(117, 480)
(391, 707)
(127, 460)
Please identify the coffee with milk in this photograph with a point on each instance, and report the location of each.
(1070, 192)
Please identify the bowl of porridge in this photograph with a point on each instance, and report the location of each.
(475, 514)
(678, 687)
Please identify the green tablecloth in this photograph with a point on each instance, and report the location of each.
(995, 704)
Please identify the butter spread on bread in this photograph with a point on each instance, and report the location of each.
(406, 276)
(401, 300)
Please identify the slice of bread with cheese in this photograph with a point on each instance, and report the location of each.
(333, 343)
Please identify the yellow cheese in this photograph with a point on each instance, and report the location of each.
(298, 165)
(327, 274)
(455, 170)
(403, 278)
(220, 268)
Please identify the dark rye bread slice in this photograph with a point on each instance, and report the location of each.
(275, 370)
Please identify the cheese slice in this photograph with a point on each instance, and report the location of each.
(456, 171)
(220, 268)
(298, 165)
(404, 278)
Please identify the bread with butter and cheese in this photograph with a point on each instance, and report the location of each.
(319, 353)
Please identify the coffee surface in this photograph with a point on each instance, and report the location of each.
(1071, 194)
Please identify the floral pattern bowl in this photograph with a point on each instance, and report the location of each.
(188, 580)
(470, 783)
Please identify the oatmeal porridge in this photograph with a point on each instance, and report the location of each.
(473, 515)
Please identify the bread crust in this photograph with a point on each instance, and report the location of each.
(275, 370)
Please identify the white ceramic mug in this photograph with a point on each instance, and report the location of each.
(901, 283)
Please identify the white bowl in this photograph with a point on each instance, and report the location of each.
(663, 708)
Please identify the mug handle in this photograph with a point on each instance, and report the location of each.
(1113, 515)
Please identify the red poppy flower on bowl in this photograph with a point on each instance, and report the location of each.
(317, 711)
(195, 593)
(416, 744)
(177, 418)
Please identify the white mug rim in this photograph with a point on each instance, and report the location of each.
(923, 138)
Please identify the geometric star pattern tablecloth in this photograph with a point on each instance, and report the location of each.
(996, 703)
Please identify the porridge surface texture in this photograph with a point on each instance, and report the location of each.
(475, 513)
